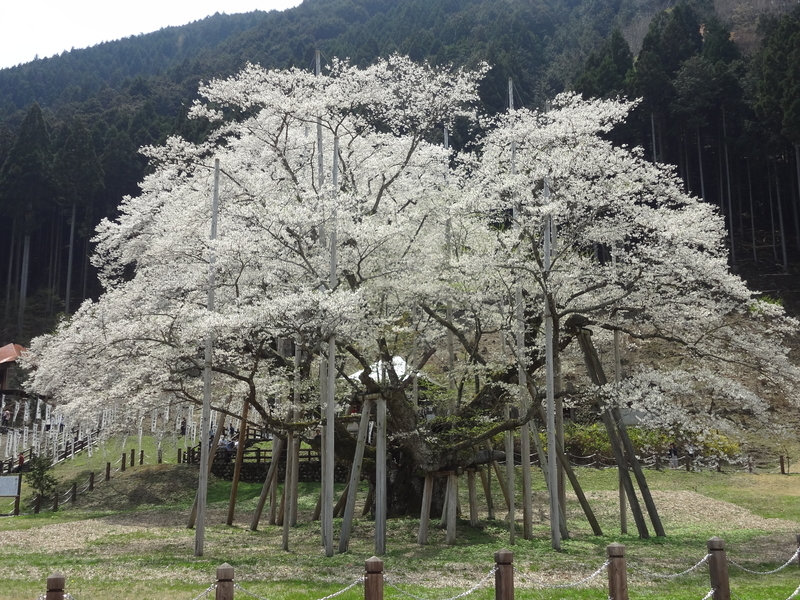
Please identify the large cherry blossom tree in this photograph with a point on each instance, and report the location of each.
(430, 242)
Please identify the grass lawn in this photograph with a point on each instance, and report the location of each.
(128, 540)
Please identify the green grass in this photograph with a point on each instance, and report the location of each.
(128, 539)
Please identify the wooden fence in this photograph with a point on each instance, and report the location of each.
(374, 581)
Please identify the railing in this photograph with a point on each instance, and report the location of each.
(503, 571)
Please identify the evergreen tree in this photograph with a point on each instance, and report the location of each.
(26, 192)
(79, 176)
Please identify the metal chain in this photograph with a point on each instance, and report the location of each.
(786, 564)
(710, 593)
(206, 591)
(565, 585)
(794, 593)
(473, 589)
(703, 561)
(358, 581)
(249, 593)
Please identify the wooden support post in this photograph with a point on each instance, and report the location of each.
(373, 579)
(237, 468)
(268, 485)
(718, 569)
(258, 456)
(108, 471)
(73, 493)
(425, 514)
(55, 586)
(368, 502)
(473, 498)
(783, 467)
(617, 572)
(355, 477)
(91, 481)
(160, 456)
(338, 508)
(486, 475)
(272, 518)
(141, 457)
(446, 504)
(133, 457)
(451, 507)
(504, 575)
(286, 502)
(122, 464)
(380, 477)
(224, 582)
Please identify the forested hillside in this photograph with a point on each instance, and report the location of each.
(721, 102)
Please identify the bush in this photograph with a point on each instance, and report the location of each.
(39, 477)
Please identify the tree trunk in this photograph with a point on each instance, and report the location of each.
(780, 220)
(23, 282)
(730, 197)
(700, 164)
(752, 214)
(70, 253)
(10, 275)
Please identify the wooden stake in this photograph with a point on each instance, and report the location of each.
(425, 515)
(237, 469)
(277, 444)
(473, 498)
(355, 476)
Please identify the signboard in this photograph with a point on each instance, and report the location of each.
(9, 485)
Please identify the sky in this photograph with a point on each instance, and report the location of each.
(48, 27)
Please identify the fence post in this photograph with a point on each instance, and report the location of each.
(783, 467)
(617, 572)
(37, 505)
(504, 575)
(122, 464)
(91, 481)
(55, 586)
(108, 471)
(55, 500)
(797, 539)
(160, 456)
(133, 457)
(224, 582)
(373, 579)
(73, 493)
(141, 457)
(718, 569)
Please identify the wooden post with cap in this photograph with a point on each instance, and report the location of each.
(373, 579)
(225, 585)
(617, 572)
(55, 586)
(504, 575)
(718, 569)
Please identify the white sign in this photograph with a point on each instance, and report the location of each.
(9, 485)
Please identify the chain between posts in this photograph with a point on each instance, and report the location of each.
(709, 594)
(786, 564)
(472, 590)
(602, 568)
(206, 591)
(703, 561)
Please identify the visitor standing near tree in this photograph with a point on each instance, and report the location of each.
(672, 452)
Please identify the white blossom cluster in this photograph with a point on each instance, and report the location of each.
(422, 232)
